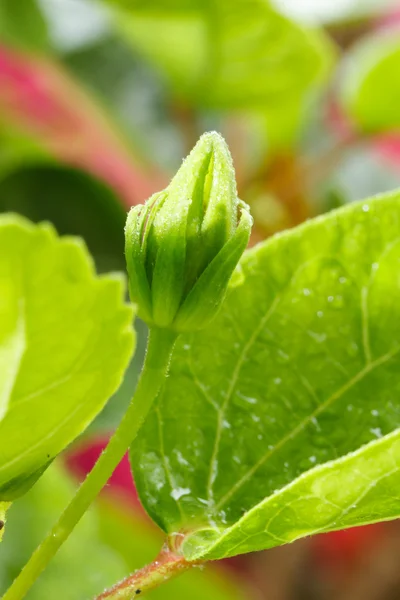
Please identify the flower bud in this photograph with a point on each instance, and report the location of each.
(184, 243)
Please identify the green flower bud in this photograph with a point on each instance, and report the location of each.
(183, 245)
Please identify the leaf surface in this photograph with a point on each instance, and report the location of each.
(281, 419)
(65, 341)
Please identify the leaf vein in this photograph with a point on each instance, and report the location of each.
(335, 396)
(222, 411)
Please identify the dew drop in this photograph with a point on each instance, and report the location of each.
(318, 337)
(376, 431)
(352, 349)
(282, 356)
(246, 399)
(178, 492)
(314, 421)
(180, 458)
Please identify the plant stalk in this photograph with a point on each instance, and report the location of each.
(158, 355)
(166, 566)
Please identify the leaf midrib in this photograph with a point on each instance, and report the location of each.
(222, 410)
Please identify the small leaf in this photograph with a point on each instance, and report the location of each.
(65, 341)
(371, 83)
(281, 419)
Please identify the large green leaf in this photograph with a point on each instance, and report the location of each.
(280, 420)
(371, 83)
(223, 54)
(65, 341)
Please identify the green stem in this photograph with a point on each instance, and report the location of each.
(159, 349)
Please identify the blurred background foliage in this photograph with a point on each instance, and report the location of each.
(99, 102)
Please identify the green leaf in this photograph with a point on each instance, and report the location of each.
(22, 24)
(65, 341)
(222, 54)
(83, 567)
(371, 83)
(280, 420)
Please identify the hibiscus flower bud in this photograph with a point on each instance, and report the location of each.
(184, 243)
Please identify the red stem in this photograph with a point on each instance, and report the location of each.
(166, 566)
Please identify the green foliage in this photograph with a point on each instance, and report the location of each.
(65, 341)
(279, 420)
(22, 25)
(222, 54)
(371, 83)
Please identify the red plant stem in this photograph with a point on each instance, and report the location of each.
(166, 566)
